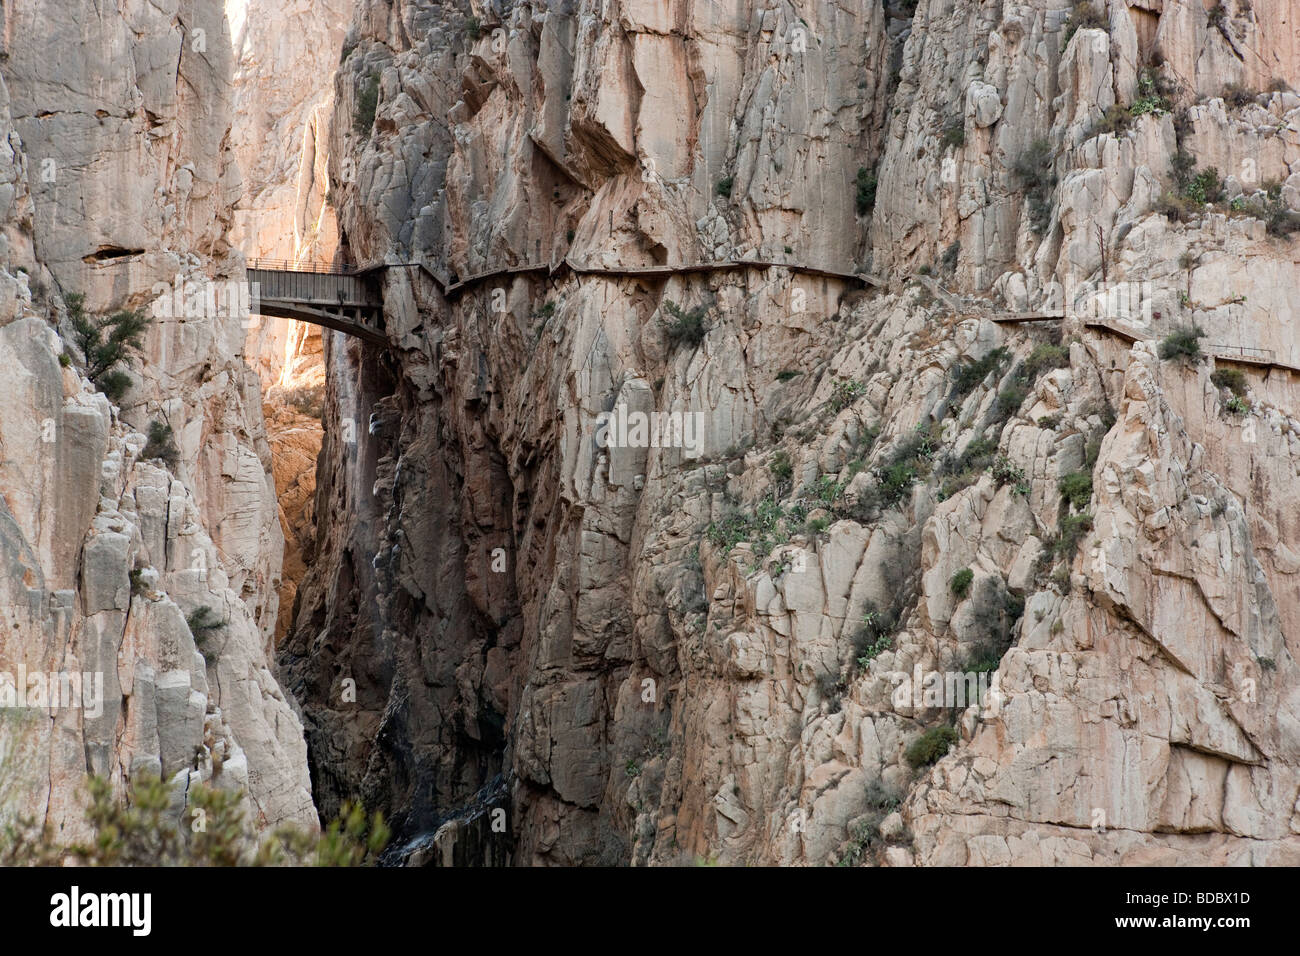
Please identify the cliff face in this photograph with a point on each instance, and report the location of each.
(644, 656)
(119, 185)
(286, 52)
(907, 279)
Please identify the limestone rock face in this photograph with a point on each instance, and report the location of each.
(285, 55)
(724, 651)
(154, 570)
(295, 445)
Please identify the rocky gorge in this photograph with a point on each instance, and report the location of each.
(962, 535)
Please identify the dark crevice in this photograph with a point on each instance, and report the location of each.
(110, 253)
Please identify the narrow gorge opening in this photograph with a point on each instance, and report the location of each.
(334, 407)
(284, 92)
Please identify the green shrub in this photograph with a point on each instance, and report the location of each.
(829, 490)
(1074, 528)
(144, 829)
(979, 452)
(1115, 120)
(1280, 220)
(204, 618)
(866, 441)
(1009, 400)
(1043, 358)
(1234, 380)
(865, 835)
(473, 28)
(984, 658)
(786, 374)
(1175, 208)
(363, 117)
(1091, 452)
(930, 747)
(960, 583)
(725, 185)
(765, 527)
(1204, 187)
(896, 480)
(161, 445)
(882, 798)
(874, 635)
(1033, 168)
(781, 470)
(107, 343)
(1076, 488)
(977, 456)
(969, 376)
(1005, 472)
(905, 466)
(1183, 343)
(954, 135)
(949, 259)
(1084, 16)
(1151, 95)
(686, 328)
(866, 191)
(1236, 405)
(845, 392)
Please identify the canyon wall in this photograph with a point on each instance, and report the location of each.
(531, 647)
(285, 54)
(141, 539)
(912, 278)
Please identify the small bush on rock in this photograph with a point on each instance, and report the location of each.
(960, 583)
(161, 445)
(930, 747)
(1183, 343)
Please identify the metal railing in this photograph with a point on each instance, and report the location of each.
(317, 288)
(1245, 351)
(335, 266)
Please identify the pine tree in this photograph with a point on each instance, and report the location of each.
(107, 342)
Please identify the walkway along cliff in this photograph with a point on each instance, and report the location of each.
(531, 647)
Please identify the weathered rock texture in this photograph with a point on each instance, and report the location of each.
(647, 658)
(285, 55)
(286, 52)
(118, 179)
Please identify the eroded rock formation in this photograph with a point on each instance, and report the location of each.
(649, 657)
(981, 460)
(119, 183)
